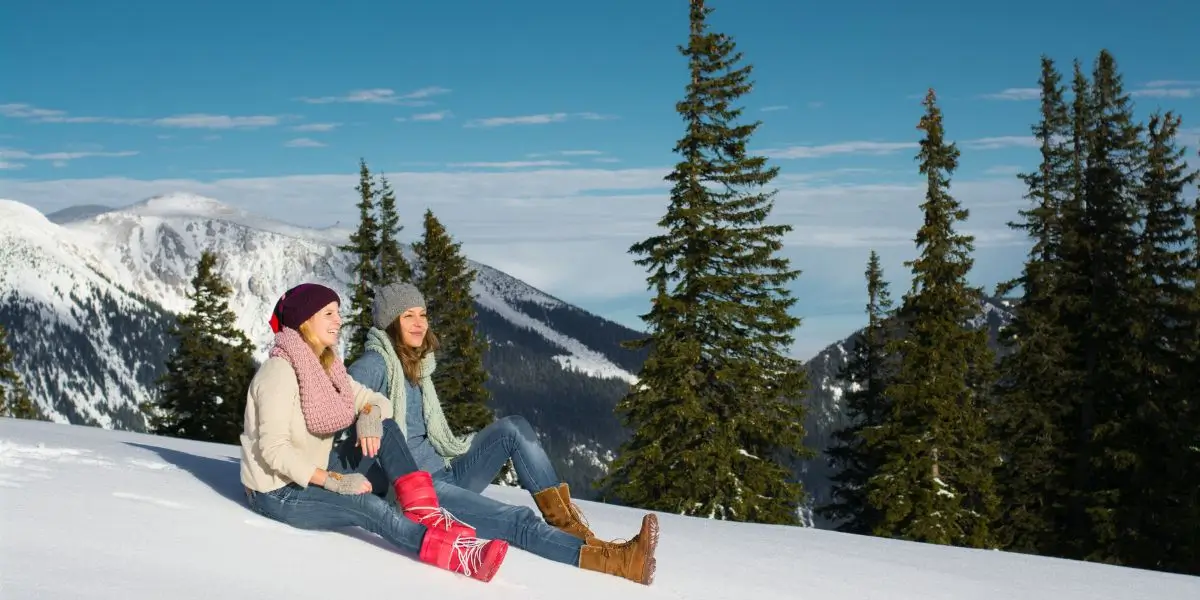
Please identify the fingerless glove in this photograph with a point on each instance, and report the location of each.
(370, 422)
(348, 484)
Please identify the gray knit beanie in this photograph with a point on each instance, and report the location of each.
(393, 299)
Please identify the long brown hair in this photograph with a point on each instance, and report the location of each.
(410, 358)
(327, 356)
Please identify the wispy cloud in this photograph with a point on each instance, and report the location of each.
(567, 231)
(1168, 88)
(538, 119)
(1003, 141)
(862, 147)
(317, 127)
(303, 143)
(440, 115)
(816, 104)
(1015, 94)
(5, 165)
(381, 96)
(882, 148)
(511, 164)
(10, 156)
(185, 121)
(774, 108)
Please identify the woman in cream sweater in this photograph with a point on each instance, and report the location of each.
(299, 401)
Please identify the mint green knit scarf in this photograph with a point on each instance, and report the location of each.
(444, 441)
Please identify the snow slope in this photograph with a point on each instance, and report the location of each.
(94, 513)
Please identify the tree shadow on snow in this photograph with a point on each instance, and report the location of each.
(223, 474)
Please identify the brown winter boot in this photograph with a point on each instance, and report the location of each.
(557, 509)
(633, 560)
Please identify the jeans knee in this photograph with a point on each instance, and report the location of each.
(517, 427)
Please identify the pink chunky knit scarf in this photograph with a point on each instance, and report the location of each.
(325, 400)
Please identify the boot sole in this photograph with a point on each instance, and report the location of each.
(650, 532)
(492, 561)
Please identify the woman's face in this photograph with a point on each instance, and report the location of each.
(325, 326)
(413, 325)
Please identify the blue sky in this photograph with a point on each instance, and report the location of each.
(539, 131)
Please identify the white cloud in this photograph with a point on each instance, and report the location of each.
(606, 159)
(381, 96)
(774, 108)
(5, 165)
(440, 115)
(882, 148)
(10, 154)
(568, 231)
(538, 119)
(1016, 94)
(303, 143)
(186, 121)
(317, 127)
(863, 147)
(512, 164)
(816, 104)
(1004, 141)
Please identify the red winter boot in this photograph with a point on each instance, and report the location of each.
(419, 502)
(468, 555)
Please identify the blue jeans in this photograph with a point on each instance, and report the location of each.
(510, 437)
(460, 486)
(315, 507)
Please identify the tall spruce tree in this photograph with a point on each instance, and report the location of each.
(445, 279)
(865, 378)
(202, 394)
(936, 483)
(14, 398)
(365, 274)
(1157, 529)
(1027, 416)
(1103, 311)
(392, 264)
(716, 416)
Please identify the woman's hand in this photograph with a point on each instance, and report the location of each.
(349, 484)
(370, 429)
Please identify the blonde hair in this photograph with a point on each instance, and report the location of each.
(327, 356)
(410, 358)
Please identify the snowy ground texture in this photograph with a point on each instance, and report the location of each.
(93, 513)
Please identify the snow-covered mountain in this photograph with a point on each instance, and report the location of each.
(97, 514)
(88, 301)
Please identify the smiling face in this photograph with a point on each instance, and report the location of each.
(413, 323)
(323, 327)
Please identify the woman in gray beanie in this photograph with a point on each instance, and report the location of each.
(399, 362)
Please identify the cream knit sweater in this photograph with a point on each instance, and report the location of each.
(277, 448)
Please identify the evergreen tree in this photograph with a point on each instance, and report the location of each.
(445, 279)
(202, 394)
(717, 410)
(936, 482)
(392, 264)
(14, 398)
(1156, 530)
(1030, 392)
(365, 274)
(1103, 379)
(864, 378)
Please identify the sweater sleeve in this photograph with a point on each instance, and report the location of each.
(275, 398)
(364, 395)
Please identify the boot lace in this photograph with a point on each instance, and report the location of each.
(439, 515)
(469, 552)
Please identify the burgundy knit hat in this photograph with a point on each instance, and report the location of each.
(296, 305)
